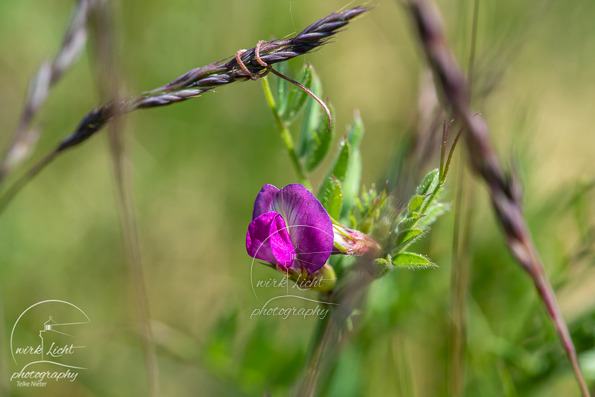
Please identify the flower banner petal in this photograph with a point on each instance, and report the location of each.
(263, 201)
(309, 225)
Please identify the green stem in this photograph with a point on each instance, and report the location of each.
(285, 136)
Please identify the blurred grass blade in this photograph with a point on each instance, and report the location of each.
(218, 348)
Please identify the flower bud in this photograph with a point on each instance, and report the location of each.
(353, 242)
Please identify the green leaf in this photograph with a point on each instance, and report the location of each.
(355, 132)
(416, 203)
(435, 211)
(351, 185)
(429, 183)
(409, 222)
(411, 260)
(282, 91)
(322, 138)
(312, 118)
(297, 98)
(339, 169)
(406, 238)
(332, 198)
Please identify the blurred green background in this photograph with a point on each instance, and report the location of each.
(197, 167)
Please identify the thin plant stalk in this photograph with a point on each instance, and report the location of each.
(460, 273)
(444, 162)
(128, 222)
(460, 276)
(458, 324)
(285, 136)
(108, 81)
(403, 366)
(504, 188)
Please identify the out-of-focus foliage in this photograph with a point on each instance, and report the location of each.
(197, 166)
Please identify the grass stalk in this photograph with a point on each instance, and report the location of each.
(109, 83)
(461, 257)
(504, 188)
(49, 73)
(200, 80)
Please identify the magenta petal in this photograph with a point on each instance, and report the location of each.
(280, 243)
(310, 226)
(257, 239)
(268, 240)
(263, 201)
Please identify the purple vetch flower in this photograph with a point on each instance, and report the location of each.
(290, 229)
